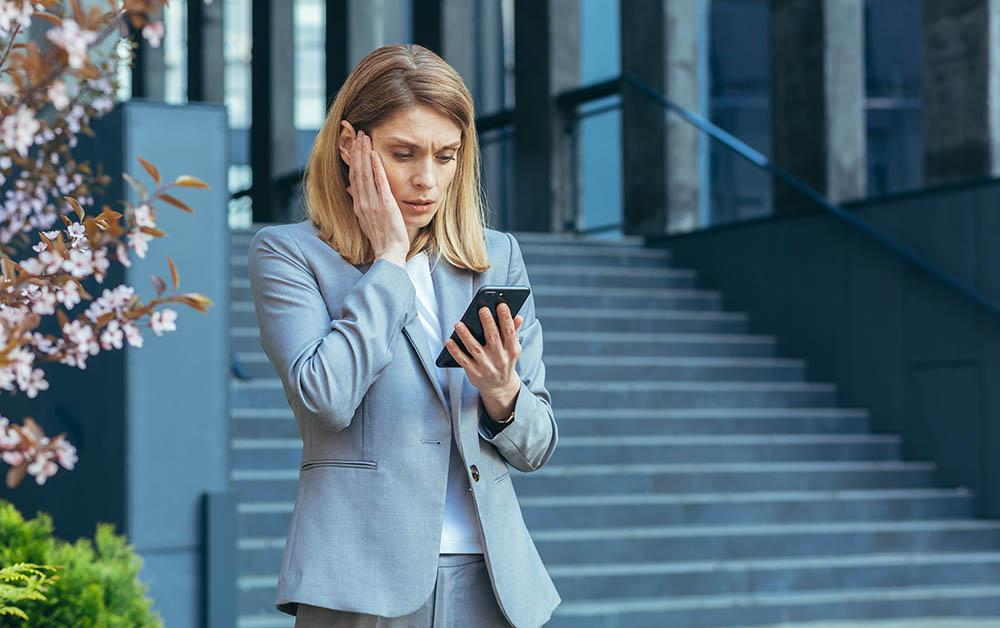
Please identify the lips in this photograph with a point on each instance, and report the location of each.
(419, 205)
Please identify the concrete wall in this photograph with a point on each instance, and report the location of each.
(920, 357)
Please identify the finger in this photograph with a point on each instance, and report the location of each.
(474, 347)
(382, 180)
(366, 188)
(490, 331)
(506, 325)
(517, 321)
(456, 353)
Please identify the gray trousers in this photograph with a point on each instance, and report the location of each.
(462, 596)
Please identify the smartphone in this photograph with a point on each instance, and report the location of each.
(487, 296)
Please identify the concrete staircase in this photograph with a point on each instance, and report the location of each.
(699, 479)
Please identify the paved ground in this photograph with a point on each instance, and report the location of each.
(943, 622)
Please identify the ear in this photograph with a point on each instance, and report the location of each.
(346, 141)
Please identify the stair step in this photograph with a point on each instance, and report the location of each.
(704, 611)
(764, 575)
(767, 540)
(252, 422)
(588, 479)
(247, 339)
(637, 368)
(725, 448)
(689, 394)
(270, 518)
(553, 480)
(544, 512)
(268, 392)
(618, 320)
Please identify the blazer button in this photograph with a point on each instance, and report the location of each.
(475, 473)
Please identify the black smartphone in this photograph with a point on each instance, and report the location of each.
(491, 297)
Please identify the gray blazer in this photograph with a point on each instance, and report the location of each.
(358, 374)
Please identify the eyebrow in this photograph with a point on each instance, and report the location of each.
(402, 140)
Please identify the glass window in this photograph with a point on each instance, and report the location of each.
(310, 64)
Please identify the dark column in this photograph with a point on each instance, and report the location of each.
(427, 25)
(961, 90)
(336, 47)
(818, 98)
(661, 152)
(272, 127)
(205, 61)
(547, 55)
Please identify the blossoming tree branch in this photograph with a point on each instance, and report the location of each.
(47, 97)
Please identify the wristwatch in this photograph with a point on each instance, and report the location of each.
(507, 420)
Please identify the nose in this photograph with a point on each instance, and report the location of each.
(423, 177)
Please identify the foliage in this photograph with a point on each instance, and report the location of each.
(96, 585)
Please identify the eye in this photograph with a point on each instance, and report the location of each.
(446, 159)
(402, 155)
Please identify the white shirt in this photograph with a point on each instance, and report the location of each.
(461, 531)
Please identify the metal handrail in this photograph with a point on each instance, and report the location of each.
(571, 99)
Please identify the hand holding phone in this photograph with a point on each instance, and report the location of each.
(487, 296)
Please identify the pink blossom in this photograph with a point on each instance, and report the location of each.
(58, 97)
(42, 468)
(162, 321)
(80, 262)
(9, 439)
(139, 241)
(153, 33)
(81, 335)
(13, 457)
(18, 130)
(122, 253)
(44, 302)
(77, 231)
(73, 40)
(14, 13)
(144, 217)
(68, 294)
(132, 334)
(34, 383)
(112, 335)
(101, 264)
(66, 454)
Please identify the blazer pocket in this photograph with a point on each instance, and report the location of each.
(355, 464)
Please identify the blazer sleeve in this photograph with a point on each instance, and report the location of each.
(326, 366)
(530, 439)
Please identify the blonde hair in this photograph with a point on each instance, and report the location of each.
(389, 80)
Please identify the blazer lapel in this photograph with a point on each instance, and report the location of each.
(454, 291)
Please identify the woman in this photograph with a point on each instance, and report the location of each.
(405, 513)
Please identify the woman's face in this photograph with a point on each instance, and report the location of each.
(419, 149)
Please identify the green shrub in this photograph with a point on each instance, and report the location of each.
(92, 588)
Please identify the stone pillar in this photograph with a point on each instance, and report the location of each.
(661, 151)
(547, 49)
(272, 127)
(961, 90)
(205, 61)
(818, 99)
